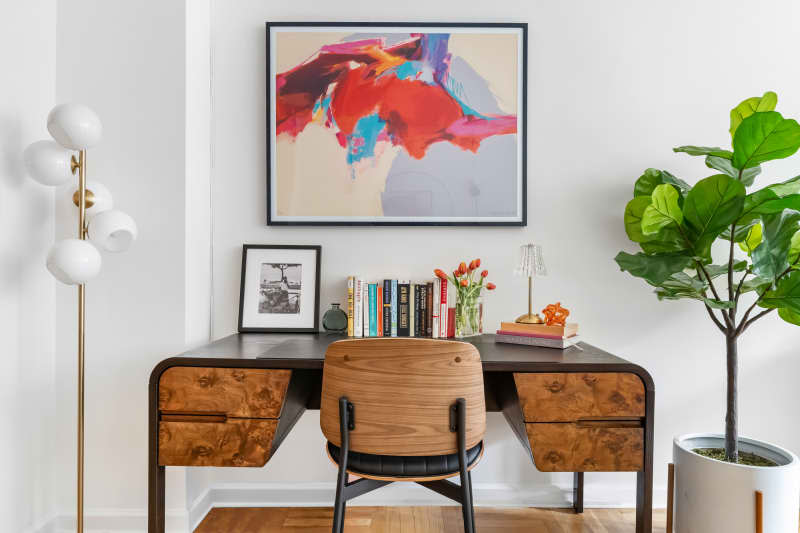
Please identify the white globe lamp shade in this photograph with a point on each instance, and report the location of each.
(74, 126)
(97, 195)
(73, 261)
(48, 163)
(113, 230)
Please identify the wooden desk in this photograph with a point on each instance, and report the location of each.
(232, 403)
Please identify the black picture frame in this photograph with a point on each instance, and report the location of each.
(318, 261)
(523, 26)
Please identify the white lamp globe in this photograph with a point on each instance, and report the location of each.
(96, 193)
(73, 261)
(74, 126)
(48, 163)
(113, 230)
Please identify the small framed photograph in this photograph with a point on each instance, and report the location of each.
(280, 289)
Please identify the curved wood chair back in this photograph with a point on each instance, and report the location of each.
(402, 390)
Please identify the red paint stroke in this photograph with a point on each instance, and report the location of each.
(357, 78)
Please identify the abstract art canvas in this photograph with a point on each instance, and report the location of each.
(396, 124)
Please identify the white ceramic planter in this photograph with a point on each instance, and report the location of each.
(713, 495)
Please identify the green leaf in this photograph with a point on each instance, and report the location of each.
(750, 106)
(704, 150)
(785, 295)
(794, 251)
(715, 271)
(740, 232)
(655, 269)
(652, 177)
(771, 258)
(712, 205)
(663, 210)
(755, 284)
(748, 175)
(668, 240)
(789, 316)
(681, 285)
(753, 239)
(764, 137)
(718, 304)
(791, 186)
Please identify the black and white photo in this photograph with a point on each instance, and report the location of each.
(279, 291)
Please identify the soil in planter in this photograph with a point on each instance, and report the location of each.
(745, 458)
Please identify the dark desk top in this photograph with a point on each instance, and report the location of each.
(307, 351)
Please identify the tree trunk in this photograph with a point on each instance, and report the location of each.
(731, 432)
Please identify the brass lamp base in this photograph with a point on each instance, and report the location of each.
(529, 319)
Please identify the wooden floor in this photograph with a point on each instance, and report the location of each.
(421, 520)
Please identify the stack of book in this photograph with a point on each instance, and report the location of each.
(400, 308)
(538, 334)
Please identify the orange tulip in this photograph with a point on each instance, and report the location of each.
(462, 267)
(464, 283)
(456, 273)
(491, 286)
(484, 273)
(477, 263)
(472, 265)
(440, 273)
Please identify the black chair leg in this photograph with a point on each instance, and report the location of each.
(340, 506)
(577, 492)
(466, 478)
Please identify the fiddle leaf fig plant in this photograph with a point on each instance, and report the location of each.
(676, 226)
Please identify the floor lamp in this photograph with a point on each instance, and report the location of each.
(76, 128)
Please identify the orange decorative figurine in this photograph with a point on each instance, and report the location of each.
(555, 315)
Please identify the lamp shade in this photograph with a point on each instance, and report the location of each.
(48, 163)
(74, 126)
(96, 193)
(531, 261)
(73, 261)
(113, 230)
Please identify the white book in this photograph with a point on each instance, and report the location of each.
(436, 307)
(562, 344)
(365, 307)
(412, 289)
(358, 321)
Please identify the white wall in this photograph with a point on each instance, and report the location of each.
(612, 87)
(27, 291)
(126, 60)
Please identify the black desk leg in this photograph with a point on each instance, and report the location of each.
(155, 473)
(577, 491)
(644, 478)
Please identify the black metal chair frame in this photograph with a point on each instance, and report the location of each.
(460, 493)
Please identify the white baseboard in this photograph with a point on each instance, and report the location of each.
(322, 495)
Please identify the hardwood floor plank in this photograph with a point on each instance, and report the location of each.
(421, 520)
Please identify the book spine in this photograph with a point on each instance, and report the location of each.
(429, 309)
(379, 308)
(357, 320)
(436, 307)
(412, 318)
(350, 289)
(365, 308)
(402, 309)
(394, 308)
(418, 325)
(443, 312)
(386, 312)
(451, 322)
(373, 327)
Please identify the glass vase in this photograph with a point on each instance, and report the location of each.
(469, 315)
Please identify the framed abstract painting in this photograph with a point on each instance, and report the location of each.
(396, 124)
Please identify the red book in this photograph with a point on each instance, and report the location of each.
(451, 322)
(379, 309)
(535, 335)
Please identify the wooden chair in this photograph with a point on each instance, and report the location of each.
(403, 409)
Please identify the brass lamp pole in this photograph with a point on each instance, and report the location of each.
(75, 128)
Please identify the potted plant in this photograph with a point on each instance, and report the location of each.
(675, 224)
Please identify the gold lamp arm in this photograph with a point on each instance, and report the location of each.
(530, 317)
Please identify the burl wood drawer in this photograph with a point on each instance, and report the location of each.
(234, 442)
(571, 447)
(569, 397)
(235, 392)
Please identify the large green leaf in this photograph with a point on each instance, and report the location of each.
(667, 240)
(755, 284)
(771, 257)
(753, 238)
(663, 211)
(740, 232)
(718, 304)
(785, 295)
(791, 186)
(652, 177)
(747, 176)
(712, 205)
(655, 269)
(789, 316)
(766, 202)
(715, 271)
(794, 251)
(750, 106)
(681, 285)
(764, 137)
(704, 150)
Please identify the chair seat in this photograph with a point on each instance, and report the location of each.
(404, 465)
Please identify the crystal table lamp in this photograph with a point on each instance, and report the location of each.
(76, 128)
(530, 264)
